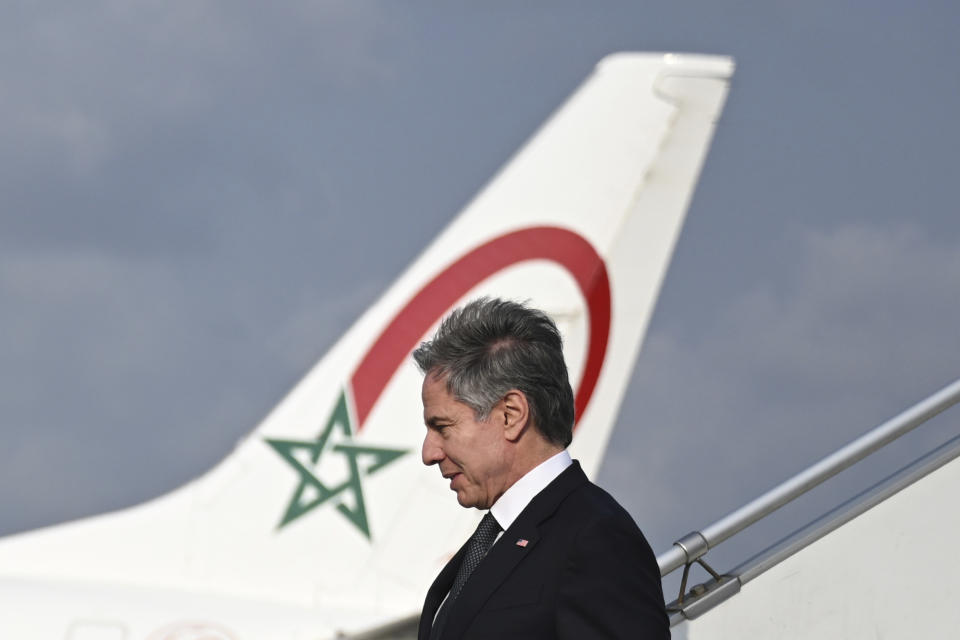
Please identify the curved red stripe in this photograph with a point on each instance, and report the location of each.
(561, 246)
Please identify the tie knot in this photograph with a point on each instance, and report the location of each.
(486, 531)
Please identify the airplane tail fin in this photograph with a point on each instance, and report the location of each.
(326, 503)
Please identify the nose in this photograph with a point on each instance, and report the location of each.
(432, 452)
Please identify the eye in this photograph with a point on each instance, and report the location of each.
(442, 427)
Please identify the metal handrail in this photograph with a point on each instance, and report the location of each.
(694, 545)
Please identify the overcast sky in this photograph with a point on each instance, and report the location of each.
(198, 198)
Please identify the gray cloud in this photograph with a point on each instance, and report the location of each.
(138, 118)
(864, 324)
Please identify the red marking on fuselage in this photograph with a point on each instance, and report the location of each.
(192, 631)
(561, 246)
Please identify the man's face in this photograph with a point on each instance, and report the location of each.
(472, 454)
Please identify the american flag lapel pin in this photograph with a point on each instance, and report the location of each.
(522, 542)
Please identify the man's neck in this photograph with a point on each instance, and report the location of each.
(518, 496)
(530, 458)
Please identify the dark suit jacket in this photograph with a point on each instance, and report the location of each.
(585, 572)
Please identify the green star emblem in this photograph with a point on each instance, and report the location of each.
(307, 458)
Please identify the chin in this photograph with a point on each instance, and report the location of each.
(468, 502)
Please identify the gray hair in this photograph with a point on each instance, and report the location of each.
(490, 346)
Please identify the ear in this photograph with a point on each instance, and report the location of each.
(513, 413)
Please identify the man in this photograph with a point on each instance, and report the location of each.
(569, 562)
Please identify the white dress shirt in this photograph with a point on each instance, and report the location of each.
(518, 496)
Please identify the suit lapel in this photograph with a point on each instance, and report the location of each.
(441, 585)
(506, 554)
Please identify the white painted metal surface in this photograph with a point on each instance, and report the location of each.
(270, 544)
(889, 573)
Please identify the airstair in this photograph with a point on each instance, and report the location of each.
(880, 565)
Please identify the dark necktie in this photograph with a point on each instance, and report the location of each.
(480, 542)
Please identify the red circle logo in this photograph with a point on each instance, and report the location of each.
(561, 246)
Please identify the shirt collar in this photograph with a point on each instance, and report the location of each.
(519, 495)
